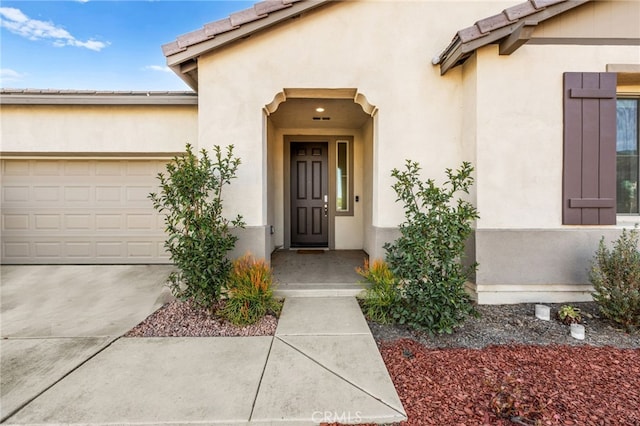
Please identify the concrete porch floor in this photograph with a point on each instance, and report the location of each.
(317, 272)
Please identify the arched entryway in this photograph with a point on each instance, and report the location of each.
(319, 162)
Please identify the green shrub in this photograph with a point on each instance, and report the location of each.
(383, 294)
(249, 292)
(615, 275)
(568, 314)
(199, 236)
(427, 257)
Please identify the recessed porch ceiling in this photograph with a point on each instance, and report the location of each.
(301, 113)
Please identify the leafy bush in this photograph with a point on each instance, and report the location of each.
(383, 293)
(249, 291)
(427, 257)
(199, 236)
(568, 314)
(615, 275)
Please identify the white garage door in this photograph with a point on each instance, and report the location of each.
(80, 211)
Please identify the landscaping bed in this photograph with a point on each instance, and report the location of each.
(183, 319)
(517, 324)
(507, 359)
(515, 384)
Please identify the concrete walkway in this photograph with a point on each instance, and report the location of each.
(322, 365)
(317, 273)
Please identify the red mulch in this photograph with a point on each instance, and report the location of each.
(516, 384)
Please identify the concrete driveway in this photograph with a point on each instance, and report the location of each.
(55, 317)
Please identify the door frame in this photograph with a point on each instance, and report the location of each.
(331, 167)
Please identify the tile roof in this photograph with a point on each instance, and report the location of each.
(512, 28)
(258, 12)
(183, 52)
(95, 97)
(514, 23)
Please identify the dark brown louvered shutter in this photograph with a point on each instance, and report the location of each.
(589, 181)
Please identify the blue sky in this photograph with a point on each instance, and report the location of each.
(98, 44)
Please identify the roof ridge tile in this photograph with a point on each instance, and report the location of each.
(541, 4)
(218, 27)
(245, 16)
(268, 6)
(192, 37)
(520, 10)
(494, 22)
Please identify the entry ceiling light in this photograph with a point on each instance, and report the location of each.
(319, 109)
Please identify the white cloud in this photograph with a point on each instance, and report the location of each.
(7, 75)
(18, 23)
(158, 68)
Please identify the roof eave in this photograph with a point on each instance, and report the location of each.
(190, 54)
(510, 37)
(70, 98)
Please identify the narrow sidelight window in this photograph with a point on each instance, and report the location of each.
(627, 166)
(342, 176)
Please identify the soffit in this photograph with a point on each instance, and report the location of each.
(299, 113)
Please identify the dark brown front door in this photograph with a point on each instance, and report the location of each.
(309, 194)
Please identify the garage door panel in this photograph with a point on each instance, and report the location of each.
(140, 194)
(51, 249)
(78, 250)
(140, 249)
(15, 222)
(45, 193)
(79, 221)
(140, 221)
(47, 222)
(106, 222)
(109, 249)
(16, 250)
(109, 168)
(81, 211)
(47, 167)
(15, 168)
(108, 194)
(15, 194)
(77, 168)
(74, 194)
(141, 169)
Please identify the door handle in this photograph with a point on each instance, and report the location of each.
(326, 198)
(326, 210)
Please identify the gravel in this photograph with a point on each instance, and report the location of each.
(517, 324)
(495, 325)
(183, 319)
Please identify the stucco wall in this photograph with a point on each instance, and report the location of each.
(602, 19)
(502, 113)
(341, 46)
(97, 129)
(519, 129)
(525, 254)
